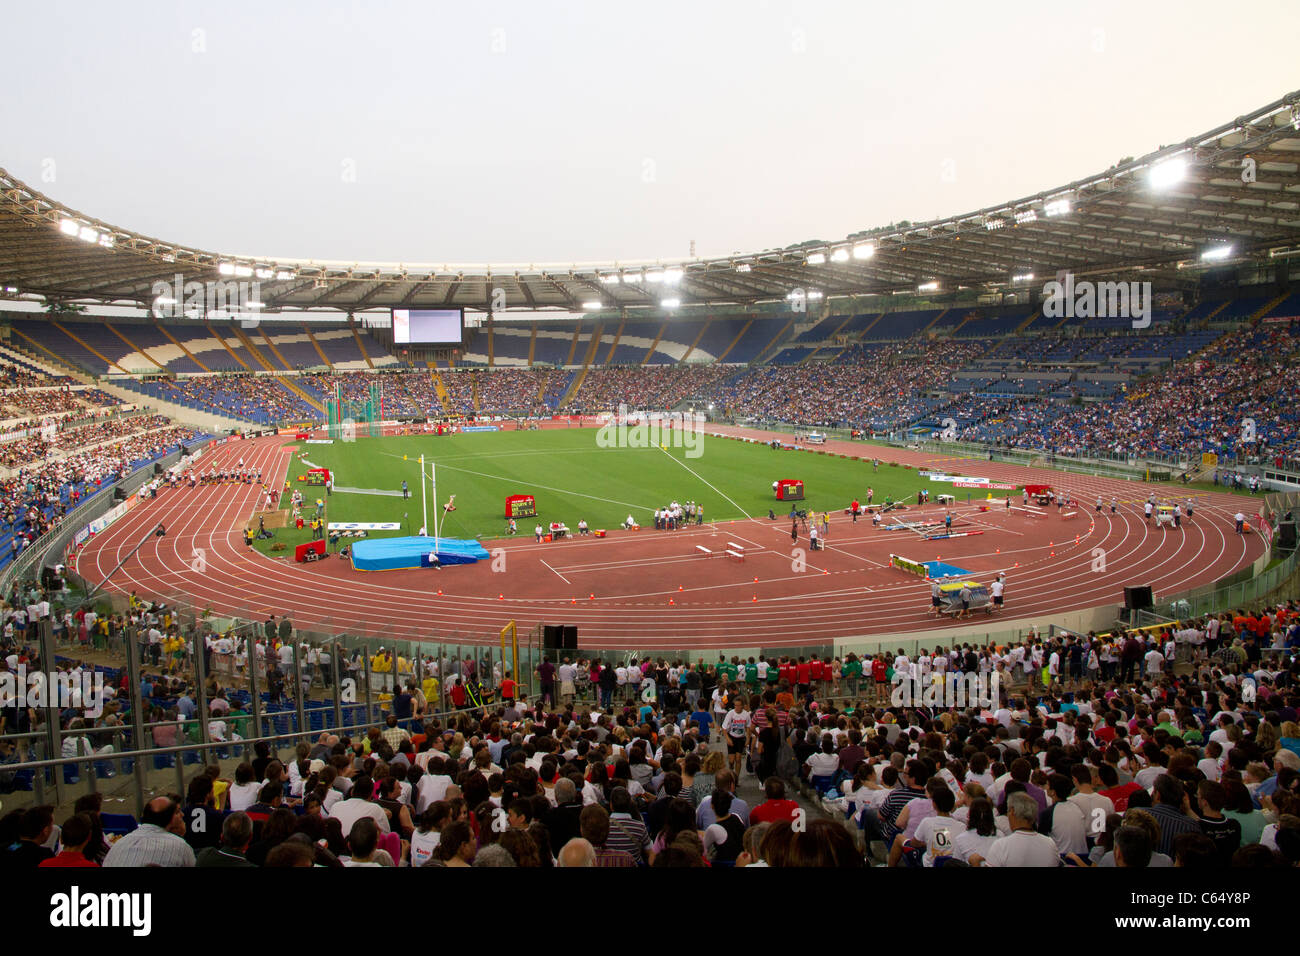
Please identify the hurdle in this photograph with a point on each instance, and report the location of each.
(1030, 511)
(704, 552)
(735, 547)
(1068, 514)
(907, 564)
(954, 534)
(737, 556)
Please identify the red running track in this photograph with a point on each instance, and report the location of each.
(650, 590)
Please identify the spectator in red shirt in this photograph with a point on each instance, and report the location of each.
(508, 687)
(804, 676)
(775, 807)
(76, 834)
(1117, 793)
(853, 754)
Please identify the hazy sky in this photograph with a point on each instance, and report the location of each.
(516, 132)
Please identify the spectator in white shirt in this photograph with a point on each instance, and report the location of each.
(358, 805)
(1069, 828)
(1024, 845)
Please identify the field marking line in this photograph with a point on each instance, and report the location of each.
(706, 481)
(563, 491)
(558, 574)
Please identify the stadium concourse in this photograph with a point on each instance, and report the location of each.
(637, 590)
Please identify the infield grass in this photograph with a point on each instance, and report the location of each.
(573, 478)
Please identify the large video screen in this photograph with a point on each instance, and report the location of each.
(428, 326)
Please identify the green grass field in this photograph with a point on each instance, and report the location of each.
(572, 478)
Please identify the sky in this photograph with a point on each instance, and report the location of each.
(579, 132)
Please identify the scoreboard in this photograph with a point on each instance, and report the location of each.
(521, 506)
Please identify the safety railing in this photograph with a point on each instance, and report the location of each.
(129, 747)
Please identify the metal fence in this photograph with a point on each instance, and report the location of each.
(130, 757)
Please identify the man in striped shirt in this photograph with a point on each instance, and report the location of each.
(594, 824)
(914, 777)
(626, 831)
(1170, 810)
(157, 841)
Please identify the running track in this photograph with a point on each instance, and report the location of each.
(654, 590)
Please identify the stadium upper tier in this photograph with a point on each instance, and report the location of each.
(1159, 213)
(997, 373)
(120, 347)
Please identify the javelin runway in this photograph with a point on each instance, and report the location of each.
(656, 590)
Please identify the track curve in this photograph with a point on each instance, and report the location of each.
(654, 589)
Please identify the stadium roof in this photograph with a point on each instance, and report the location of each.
(1236, 187)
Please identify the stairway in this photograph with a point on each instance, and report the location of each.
(289, 385)
(35, 354)
(226, 345)
(356, 337)
(181, 345)
(88, 347)
(253, 350)
(316, 345)
(441, 389)
(131, 345)
(592, 348)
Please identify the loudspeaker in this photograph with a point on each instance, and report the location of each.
(1286, 539)
(553, 637)
(1139, 598)
(570, 638)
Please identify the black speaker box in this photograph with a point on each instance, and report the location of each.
(1139, 598)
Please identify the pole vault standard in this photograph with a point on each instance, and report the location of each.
(424, 499)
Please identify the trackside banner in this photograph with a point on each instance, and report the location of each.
(961, 481)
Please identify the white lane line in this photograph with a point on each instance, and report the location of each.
(703, 479)
(558, 574)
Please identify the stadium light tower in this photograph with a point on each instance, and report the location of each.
(1168, 173)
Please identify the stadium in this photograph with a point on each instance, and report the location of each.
(624, 562)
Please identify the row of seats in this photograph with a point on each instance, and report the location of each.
(196, 347)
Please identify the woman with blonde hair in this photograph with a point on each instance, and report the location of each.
(456, 749)
(1266, 738)
(1290, 739)
(702, 786)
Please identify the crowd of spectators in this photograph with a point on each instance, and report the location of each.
(879, 386)
(52, 399)
(254, 398)
(646, 386)
(1200, 404)
(1139, 749)
(529, 391)
(34, 499)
